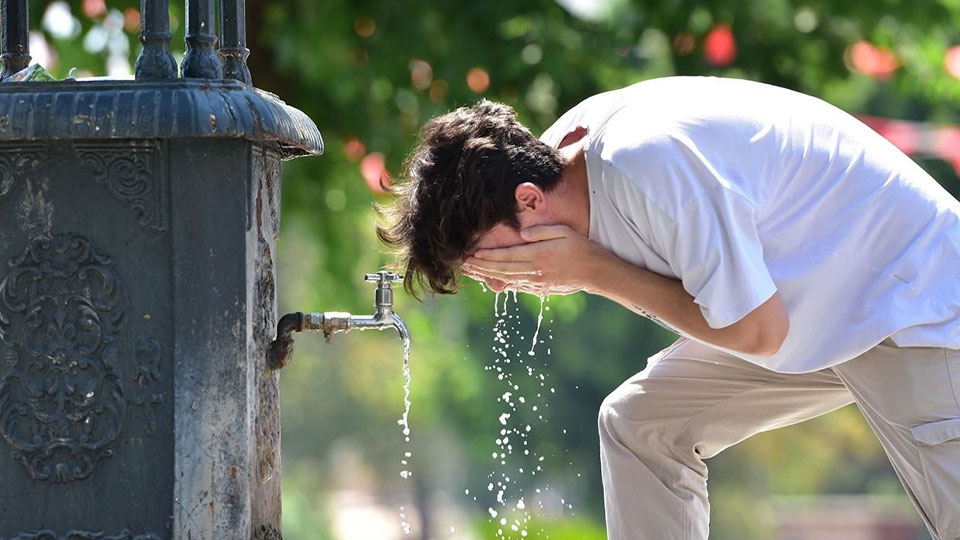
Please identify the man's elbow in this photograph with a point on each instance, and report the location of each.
(769, 338)
(763, 331)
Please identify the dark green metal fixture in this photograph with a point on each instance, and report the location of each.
(138, 228)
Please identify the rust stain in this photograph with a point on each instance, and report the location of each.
(213, 123)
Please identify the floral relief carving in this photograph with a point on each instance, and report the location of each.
(132, 174)
(62, 313)
(15, 162)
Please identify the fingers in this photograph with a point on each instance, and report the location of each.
(472, 275)
(508, 283)
(540, 233)
(519, 253)
(511, 268)
(495, 285)
(539, 239)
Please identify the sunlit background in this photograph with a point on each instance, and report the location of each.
(369, 73)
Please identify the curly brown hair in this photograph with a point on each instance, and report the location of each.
(460, 183)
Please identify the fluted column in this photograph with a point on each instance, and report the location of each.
(155, 61)
(233, 40)
(201, 60)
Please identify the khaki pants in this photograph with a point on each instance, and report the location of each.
(692, 401)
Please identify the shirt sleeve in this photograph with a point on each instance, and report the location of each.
(714, 248)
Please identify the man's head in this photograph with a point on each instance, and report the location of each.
(470, 177)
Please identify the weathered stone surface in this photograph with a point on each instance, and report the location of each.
(266, 227)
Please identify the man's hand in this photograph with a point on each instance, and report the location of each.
(555, 260)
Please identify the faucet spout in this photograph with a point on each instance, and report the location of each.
(401, 328)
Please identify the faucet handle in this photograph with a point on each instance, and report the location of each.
(383, 278)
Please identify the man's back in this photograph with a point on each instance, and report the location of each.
(741, 189)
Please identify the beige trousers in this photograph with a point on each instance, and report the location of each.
(692, 401)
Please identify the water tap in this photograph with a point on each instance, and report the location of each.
(332, 322)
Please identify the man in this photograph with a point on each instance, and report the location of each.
(806, 262)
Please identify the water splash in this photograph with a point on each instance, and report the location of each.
(514, 457)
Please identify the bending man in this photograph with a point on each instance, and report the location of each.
(806, 262)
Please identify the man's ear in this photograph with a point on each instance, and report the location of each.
(530, 197)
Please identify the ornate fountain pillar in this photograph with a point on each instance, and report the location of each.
(138, 227)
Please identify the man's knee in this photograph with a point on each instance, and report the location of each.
(609, 413)
(634, 415)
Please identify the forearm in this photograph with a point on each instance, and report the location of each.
(556, 258)
(648, 293)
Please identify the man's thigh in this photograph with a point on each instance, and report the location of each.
(705, 400)
(909, 397)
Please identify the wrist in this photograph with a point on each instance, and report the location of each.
(599, 267)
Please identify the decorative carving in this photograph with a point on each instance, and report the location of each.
(83, 535)
(155, 61)
(131, 174)
(15, 161)
(62, 312)
(235, 64)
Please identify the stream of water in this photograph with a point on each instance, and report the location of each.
(533, 345)
(404, 423)
(404, 419)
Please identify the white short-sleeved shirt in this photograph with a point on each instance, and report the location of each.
(741, 189)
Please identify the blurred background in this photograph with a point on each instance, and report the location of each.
(504, 443)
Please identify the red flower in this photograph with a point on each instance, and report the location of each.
(719, 47)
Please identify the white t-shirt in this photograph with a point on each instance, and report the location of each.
(741, 189)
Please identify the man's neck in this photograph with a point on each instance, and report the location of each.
(571, 197)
